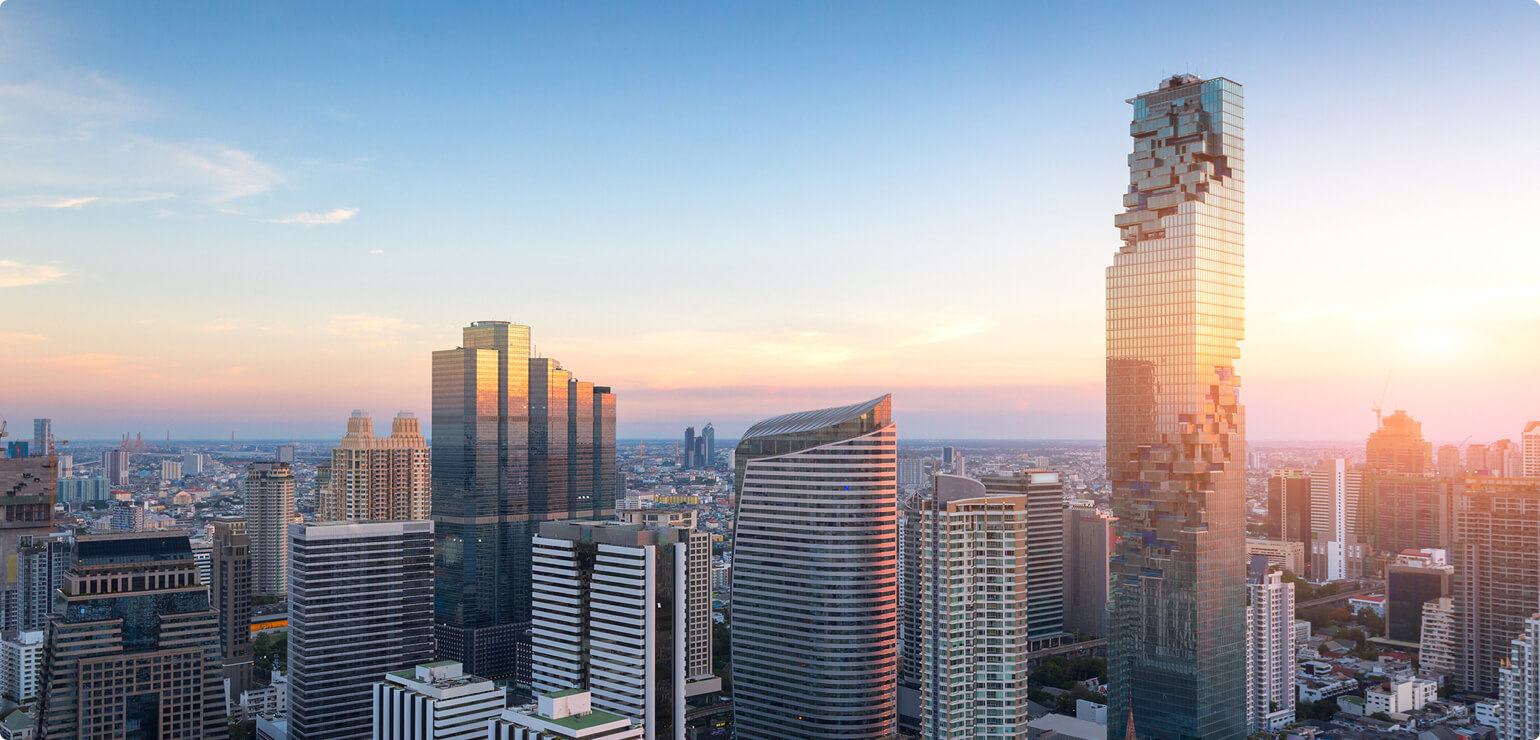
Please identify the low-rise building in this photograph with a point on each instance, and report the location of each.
(271, 702)
(1373, 602)
(1400, 696)
(435, 701)
(1316, 689)
(1288, 555)
(563, 715)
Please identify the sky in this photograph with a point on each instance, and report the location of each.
(256, 217)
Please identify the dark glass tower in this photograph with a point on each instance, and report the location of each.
(1176, 448)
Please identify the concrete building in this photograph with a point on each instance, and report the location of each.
(699, 577)
(1410, 511)
(1448, 457)
(284, 454)
(271, 701)
(1176, 450)
(1337, 522)
(378, 479)
(1285, 554)
(435, 701)
(1270, 648)
(1530, 444)
(115, 467)
(84, 490)
(130, 516)
(41, 562)
(815, 576)
(134, 645)
(170, 470)
(1518, 685)
(230, 590)
(193, 463)
(1089, 536)
(269, 489)
(563, 715)
(1496, 572)
(975, 611)
(1400, 695)
(615, 614)
(1440, 647)
(1398, 447)
(1044, 492)
(360, 606)
(21, 660)
(1411, 581)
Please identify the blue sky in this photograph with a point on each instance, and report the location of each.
(264, 215)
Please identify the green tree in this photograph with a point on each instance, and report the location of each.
(721, 657)
(1381, 716)
(1323, 710)
(1354, 634)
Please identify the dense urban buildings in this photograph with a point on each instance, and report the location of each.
(1288, 506)
(435, 701)
(815, 581)
(377, 479)
(1287, 555)
(1270, 648)
(1337, 522)
(1398, 447)
(1448, 461)
(230, 591)
(1089, 535)
(1496, 557)
(1043, 496)
(41, 562)
(516, 440)
(1412, 580)
(1440, 643)
(1530, 442)
(612, 608)
(975, 611)
(133, 650)
(563, 715)
(1176, 448)
(269, 488)
(360, 606)
(1411, 512)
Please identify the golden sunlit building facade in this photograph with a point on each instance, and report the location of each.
(378, 478)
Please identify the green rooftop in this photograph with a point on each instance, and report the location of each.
(585, 721)
(565, 692)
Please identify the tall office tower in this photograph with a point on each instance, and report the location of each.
(815, 575)
(709, 434)
(133, 649)
(548, 425)
(1044, 492)
(609, 483)
(976, 601)
(612, 616)
(42, 436)
(1506, 459)
(947, 453)
(41, 562)
(1410, 512)
(284, 454)
(910, 635)
(437, 701)
(378, 479)
(1089, 535)
(130, 516)
(1337, 522)
(481, 497)
(115, 467)
(360, 606)
(1288, 506)
(1448, 457)
(580, 447)
(1440, 649)
(1496, 538)
(1398, 447)
(1411, 581)
(170, 470)
(27, 489)
(1271, 648)
(564, 715)
(230, 591)
(1530, 441)
(698, 579)
(1176, 446)
(1476, 459)
(688, 460)
(1518, 688)
(269, 490)
(192, 463)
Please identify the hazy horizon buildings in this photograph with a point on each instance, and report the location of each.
(1176, 449)
(269, 489)
(815, 576)
(1530, 441)
(115, 467)
(1337, 522)
(1397, 446)
(1089, 536)
(1496, 586)
(378, 478)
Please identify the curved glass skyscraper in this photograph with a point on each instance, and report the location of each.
(1176, 448)
(815, 576)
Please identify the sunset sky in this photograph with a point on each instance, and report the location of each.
(260, 216)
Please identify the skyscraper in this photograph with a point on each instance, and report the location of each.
(1270, 647)
(1496, 536)
(975, 611)
(269, 510)
(1530, 442)
(1476, 459)
(1288, 506)
(1448, 461)
(1398, 447)
(517, 440)
(1043, 497)
(42, 436)
(688, 459)
(1410, 512)
(709, 456)
(378, 479)
(1176, 448)
(1089, 535)
(284, 454)
(230, 593)
(1338, 525)
(133, 650)
(115, 467)
(1517, 687)
(41, 562)
(361, 606)
(815, 571)
(612, 615)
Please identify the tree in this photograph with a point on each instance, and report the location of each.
(1323, 710)
(1381, 716)
(1339, 616)
(1354, 634)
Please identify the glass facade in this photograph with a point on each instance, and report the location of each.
(1175, 428)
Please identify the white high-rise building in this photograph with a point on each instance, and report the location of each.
(815, 576)
(1440, 651)
(436, 701)
(21, 657)
(269, 511)
(1335, 521)
(1518, 685)
(974, 612)
(1531, 445)
(192, 463)
(562, 715)
(612, 607)
(170, 470)
(1270, 647)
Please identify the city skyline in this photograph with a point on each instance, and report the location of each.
(177, 200)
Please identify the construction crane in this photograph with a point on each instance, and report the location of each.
(1379, 405)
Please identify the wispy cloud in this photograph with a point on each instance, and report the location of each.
(60, 202)
(379, 331)
(71, 202)
(938, 328)
(220, 327)
(15, 274)
(376, 251)
(16, 336)
(334, 216)
(103, 364)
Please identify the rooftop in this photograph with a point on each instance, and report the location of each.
(806, 421)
